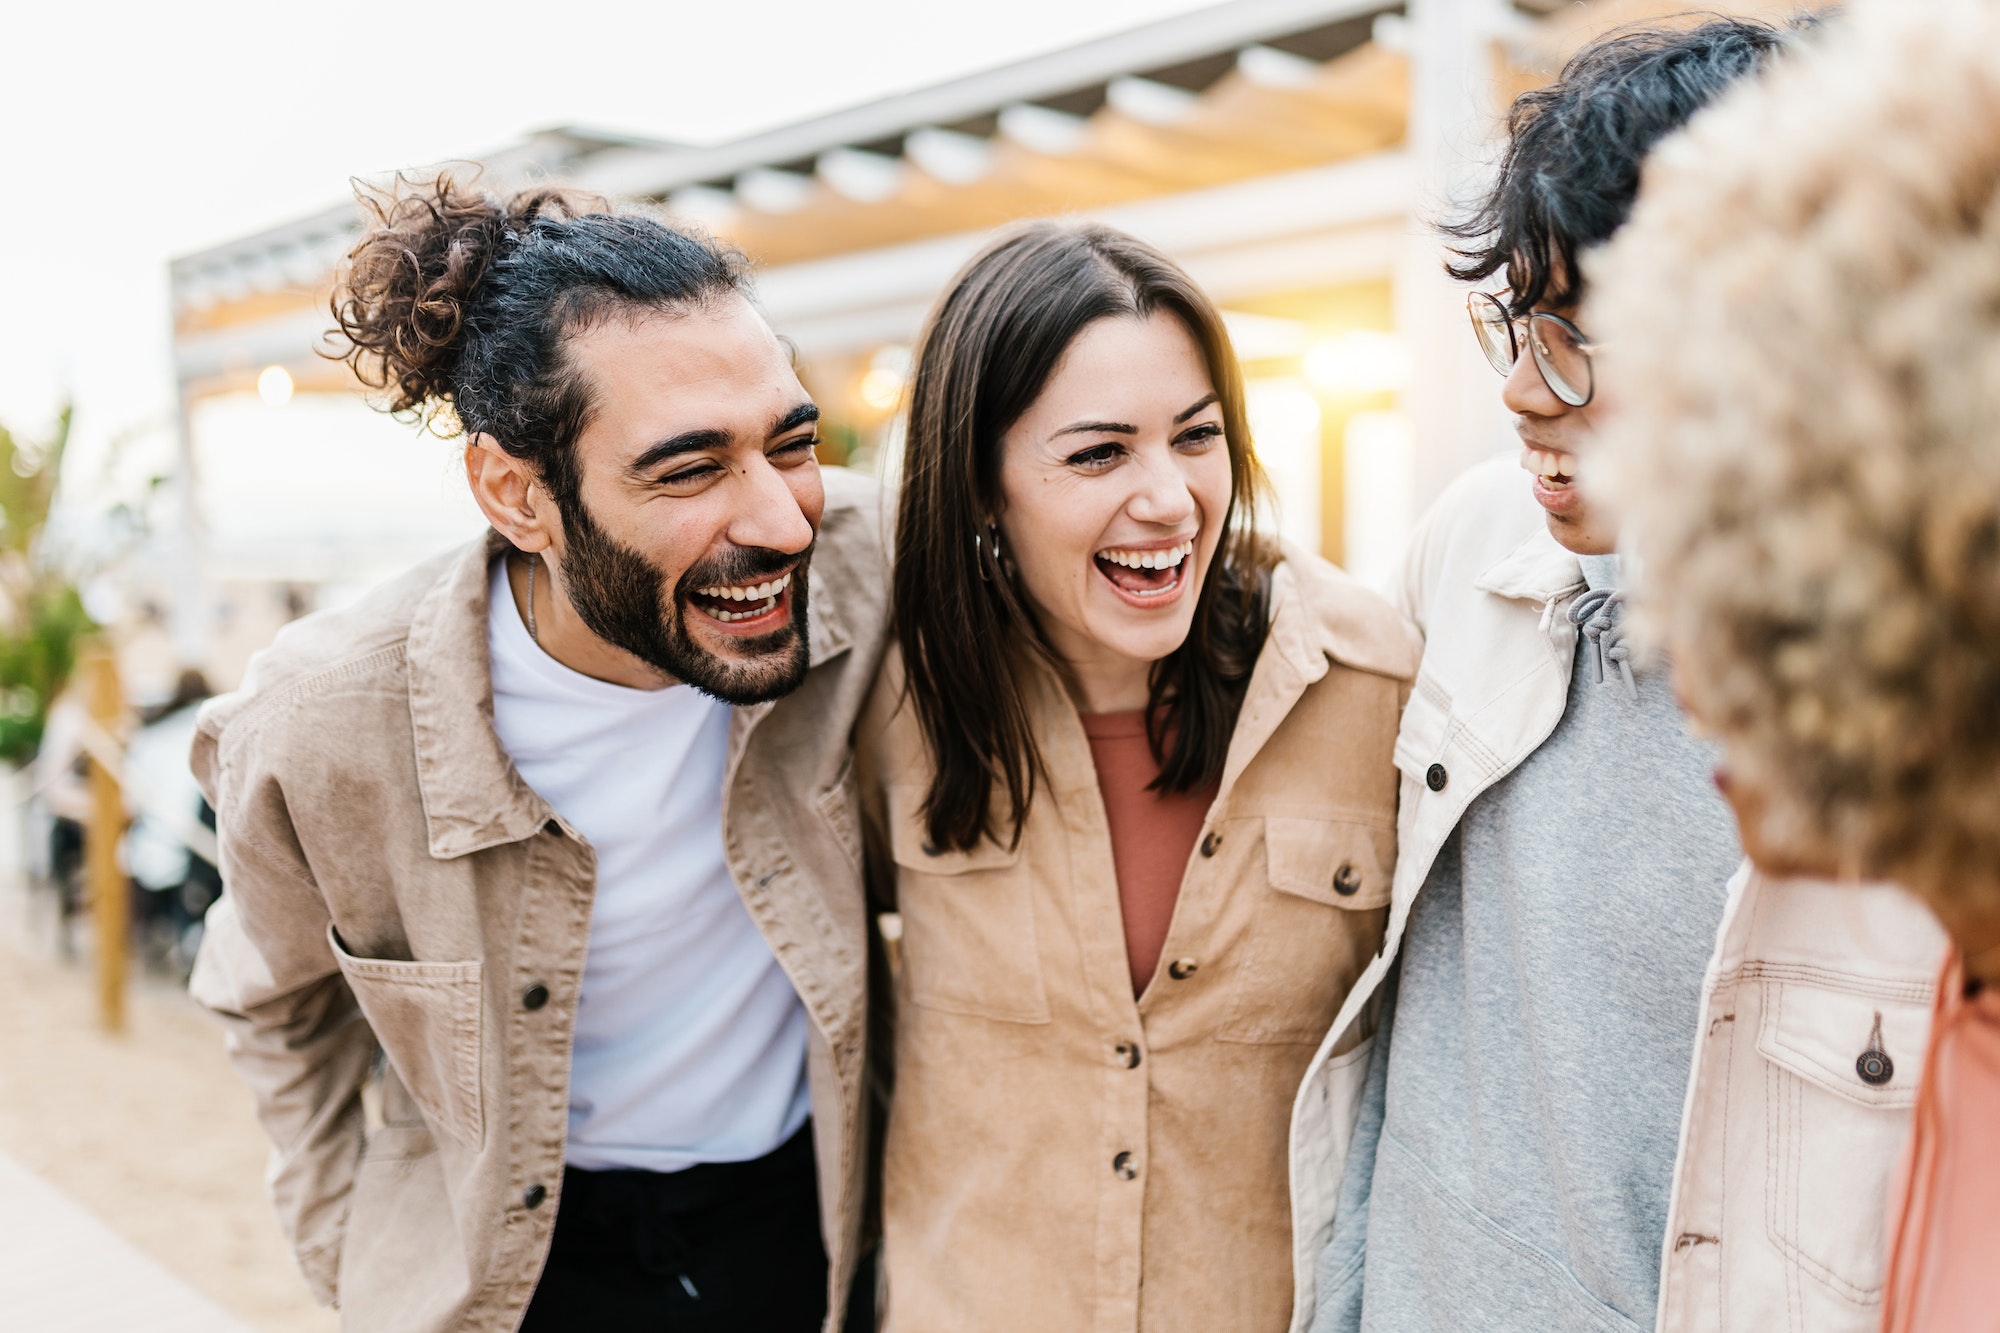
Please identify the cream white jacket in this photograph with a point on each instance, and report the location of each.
(1780, 1186)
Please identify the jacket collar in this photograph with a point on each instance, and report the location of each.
(1319, 616)
(473, 796)
(1538, 570)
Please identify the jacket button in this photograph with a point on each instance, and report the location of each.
(1124, 1167)
(1435, 777)
(1128, 1054)
(1210, 843)
(1346, 882)
(535, 996)
(1875, 1068)
(533, 1196)
(553, 828)
(1181, 968)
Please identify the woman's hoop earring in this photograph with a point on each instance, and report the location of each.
(986, 552)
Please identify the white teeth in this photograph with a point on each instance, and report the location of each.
(1166, 559)
(1545, 463)
(729, 617)
(756, 592)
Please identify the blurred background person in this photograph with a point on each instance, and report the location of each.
(169, 846)
(1132, 794)
(60, 811)
(1805, 315)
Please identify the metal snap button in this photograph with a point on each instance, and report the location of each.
(1124, 1167)
(533, 1196)
(535, 996)
(1346, 881)
(553, 828)
(1128, 1054)
(1210, 843)
(1181, 968)
(1435, 777)
(1874, 1064)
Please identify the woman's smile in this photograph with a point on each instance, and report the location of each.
(1147, 575)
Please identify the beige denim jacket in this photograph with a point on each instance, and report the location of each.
(1782, 1184)
(1061, 1156)
(393, 884)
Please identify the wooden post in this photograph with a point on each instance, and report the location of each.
(110, 896)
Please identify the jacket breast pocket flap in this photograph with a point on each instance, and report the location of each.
(1841, 1075)
(1820, 1033)
(1342, 863)
(427, 1017)
(968, 919)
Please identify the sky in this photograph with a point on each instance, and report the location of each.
(131, 133)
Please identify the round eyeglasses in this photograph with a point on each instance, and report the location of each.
(1558, 346)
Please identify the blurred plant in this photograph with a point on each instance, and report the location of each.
(42, 620)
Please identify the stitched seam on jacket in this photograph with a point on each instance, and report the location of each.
(1913, 991)
(318, 680)
(1565, 1281)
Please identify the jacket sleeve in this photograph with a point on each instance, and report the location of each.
(295, 1035)
(1415, 581)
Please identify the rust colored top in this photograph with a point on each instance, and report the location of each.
(1946, 1212)
(1152, 834)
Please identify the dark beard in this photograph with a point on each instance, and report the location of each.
(623, 599)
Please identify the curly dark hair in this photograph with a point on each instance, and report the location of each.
(1575, 147)
(457, 297)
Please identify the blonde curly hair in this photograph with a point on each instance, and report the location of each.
(1801, 325)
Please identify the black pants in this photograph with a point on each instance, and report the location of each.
(724, 1247)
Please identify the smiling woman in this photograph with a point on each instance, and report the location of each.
(1129, 784)
(1095, 304)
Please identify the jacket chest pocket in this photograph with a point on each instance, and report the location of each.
(1841, 1072)
(1312, 925)
(427, 1017)
(968, 924)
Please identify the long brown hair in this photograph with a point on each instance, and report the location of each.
(987, 351)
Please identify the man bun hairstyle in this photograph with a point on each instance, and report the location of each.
(1575, 147)
(460, 300)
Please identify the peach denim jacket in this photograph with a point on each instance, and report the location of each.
(393, 886)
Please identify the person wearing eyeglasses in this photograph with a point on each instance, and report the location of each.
(1564, 860)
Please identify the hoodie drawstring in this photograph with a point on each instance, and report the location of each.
(1596, 613)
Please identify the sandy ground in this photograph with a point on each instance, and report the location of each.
(149, 1129)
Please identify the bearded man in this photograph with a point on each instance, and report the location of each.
(561, 823)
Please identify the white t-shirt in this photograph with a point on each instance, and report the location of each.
(690, 1041)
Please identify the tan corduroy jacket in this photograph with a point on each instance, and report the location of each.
(392, 883)
(1061, 1157)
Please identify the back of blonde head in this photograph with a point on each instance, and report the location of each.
(1802, 322)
